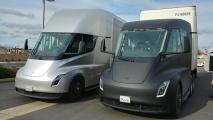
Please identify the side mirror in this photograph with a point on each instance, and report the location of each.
(103, 46)
(186, 44)
(162, 56)
(26, 45)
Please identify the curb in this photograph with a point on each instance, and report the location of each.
(7, 80)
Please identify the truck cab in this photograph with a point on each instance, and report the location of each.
(66, 61)
(152, 67)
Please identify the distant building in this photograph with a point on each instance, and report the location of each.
(14, 54)
(17, 51)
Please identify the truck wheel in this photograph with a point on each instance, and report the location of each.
(194, 75)
(76, 89)
(192, 86)
(178, 103)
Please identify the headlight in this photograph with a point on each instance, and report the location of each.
(101, 85)
(162, 89)
(57, 79)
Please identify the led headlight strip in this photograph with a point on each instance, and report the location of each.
(101, 85)
(162, 89)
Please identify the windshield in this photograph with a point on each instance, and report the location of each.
(140, 43)
(52, 44)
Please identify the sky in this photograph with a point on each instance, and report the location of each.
(22, 19)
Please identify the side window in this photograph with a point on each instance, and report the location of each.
(75, 46)
(174, 44)
(82, 44)
(186, 44)
(90, 41)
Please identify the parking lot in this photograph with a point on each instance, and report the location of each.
(16, 107)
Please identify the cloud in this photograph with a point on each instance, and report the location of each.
(16, 13)
(20, 26)
(14, 34)
(205, 31)
(20, 30)
(3, 32)
(33, 32)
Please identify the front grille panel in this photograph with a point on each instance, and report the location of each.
(38, 94)
(132, 106)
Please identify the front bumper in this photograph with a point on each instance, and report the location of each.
(40, 95)
(143, 98)
(135, 107)
(41, 87)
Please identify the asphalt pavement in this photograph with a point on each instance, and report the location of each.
(16, 107)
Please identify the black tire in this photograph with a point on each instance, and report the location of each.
(192, 86)
(194, 73)
(177, 103)
(76, 89)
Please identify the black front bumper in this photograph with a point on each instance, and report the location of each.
(40, 95)
(134, 107)
(143, 98)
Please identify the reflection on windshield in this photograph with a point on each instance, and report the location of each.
(52, 44)
(143, 43)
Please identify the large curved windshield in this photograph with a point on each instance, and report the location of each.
(52, 44)
(140, 43)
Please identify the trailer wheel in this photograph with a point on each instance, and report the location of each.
(76, 89)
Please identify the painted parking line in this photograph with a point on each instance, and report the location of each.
(23, 109)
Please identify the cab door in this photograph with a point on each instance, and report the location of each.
(82, 57)
(186, 59)
(178, 57)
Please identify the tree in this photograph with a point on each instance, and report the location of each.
(199, 52)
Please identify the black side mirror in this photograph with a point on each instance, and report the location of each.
(103, 46)
(26, 45)
(162, 56)
(186, 44)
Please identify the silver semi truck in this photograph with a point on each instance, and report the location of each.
(67, 59)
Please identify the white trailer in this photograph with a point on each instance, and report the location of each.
(184, 13)
(208, 63)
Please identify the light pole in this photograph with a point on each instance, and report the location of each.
(44, 10)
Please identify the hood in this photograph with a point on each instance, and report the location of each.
(130, 72)
(35, 68)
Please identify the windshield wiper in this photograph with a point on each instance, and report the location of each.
(125, 59)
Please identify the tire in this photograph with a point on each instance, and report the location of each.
(194, 73)
(177, 103)
(76, 89)
(192, 86)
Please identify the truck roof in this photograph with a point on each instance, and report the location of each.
(88, 21)
(160, 23)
